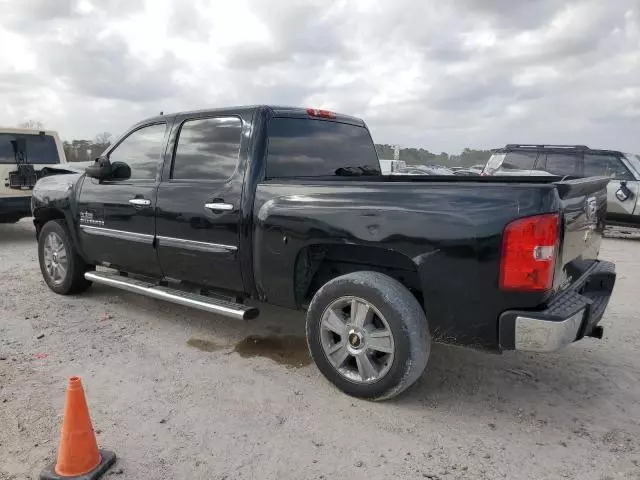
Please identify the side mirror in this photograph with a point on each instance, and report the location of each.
(623, 193)
(101, 169)
(120, 171)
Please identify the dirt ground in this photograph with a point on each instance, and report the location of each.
(182, 394)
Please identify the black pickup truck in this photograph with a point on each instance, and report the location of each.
(223, 209)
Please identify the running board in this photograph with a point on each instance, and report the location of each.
(201, 302)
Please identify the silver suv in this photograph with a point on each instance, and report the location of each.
(623, 201)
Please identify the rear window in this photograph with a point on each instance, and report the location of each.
(314, 148)
(34, 149)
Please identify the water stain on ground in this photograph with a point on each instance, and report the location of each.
(286, 350)
(204, 345)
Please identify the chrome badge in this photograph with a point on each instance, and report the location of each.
(87, 218)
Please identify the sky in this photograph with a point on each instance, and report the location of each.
(436, 75)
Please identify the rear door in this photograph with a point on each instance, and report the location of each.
(199, 211)
(116, 217)
(612, 166)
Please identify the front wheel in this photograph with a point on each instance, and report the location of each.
(62, 268)
(368, 335)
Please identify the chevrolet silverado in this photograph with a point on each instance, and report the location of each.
(225, 209)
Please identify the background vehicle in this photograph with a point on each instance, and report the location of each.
(216, 209)
(467, 172)
(423, 170)
(387, 167)
(623, 204)
(25, 156)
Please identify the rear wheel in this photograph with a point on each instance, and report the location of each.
(368, 335)
(62, 268)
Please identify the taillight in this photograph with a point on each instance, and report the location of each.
(529, 251)
(314, 112)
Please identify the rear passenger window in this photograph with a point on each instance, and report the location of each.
(596, 165)
(207, 149)
(520, 160)
(561, 164)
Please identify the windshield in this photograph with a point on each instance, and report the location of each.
(634, 160)
(28, 148)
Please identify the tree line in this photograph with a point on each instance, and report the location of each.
(420, 156)
(88, 150)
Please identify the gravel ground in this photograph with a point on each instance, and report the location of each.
(182, 394)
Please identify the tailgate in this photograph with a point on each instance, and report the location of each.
(584, 207)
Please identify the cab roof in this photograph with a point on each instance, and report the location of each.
(274, 110)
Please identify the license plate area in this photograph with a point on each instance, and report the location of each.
(23, 179)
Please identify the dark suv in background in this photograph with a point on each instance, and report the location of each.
(623, 206)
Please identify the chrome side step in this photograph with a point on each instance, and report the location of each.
(201, 302)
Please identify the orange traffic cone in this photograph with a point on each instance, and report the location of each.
(78, 455)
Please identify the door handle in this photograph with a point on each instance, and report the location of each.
(140, 202)
(219, 207)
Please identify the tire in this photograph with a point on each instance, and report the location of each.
(398, 359)
(69, 279)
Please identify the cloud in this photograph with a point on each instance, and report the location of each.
(105, 68)
(37, 11)
(440, 76)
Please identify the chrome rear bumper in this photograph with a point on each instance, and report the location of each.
(569, 316)
(537, 335)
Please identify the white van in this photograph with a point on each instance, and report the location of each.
(25, 156)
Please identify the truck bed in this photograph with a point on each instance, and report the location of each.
(450, 229)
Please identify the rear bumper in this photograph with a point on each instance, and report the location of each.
(569, 316)
(15, 207)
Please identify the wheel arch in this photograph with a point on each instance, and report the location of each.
(318, 263)
(45, 214)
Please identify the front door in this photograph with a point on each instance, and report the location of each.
(116, 217)
(612, 166)
(199, 212)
